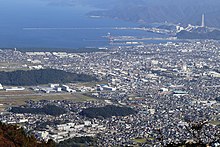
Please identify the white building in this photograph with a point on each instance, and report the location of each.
(47, 89)
(67, 88)
(63, 127)
(87, 123)
(58, 89)
(23, 120)
(1, 87)
(109, 88)
(164, 89)
(54, 85)
(15, 89)
(42, 134)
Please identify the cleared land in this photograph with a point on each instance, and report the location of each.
(215, 122)
(140, 140)
(11, 93)
(17, 99)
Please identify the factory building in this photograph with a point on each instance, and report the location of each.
(14, 88)
(1, 87)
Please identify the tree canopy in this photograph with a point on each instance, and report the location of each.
(47, 109)
(107, 111)
(43, 76)
(14, 136)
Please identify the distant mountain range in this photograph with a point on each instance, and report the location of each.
(180, 12)
(150, 11)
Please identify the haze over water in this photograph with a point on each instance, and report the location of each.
(55, 26)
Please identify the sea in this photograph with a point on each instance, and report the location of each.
(44, 24)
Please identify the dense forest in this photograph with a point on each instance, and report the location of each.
(107, 111)
(14, 136)
(43, 76)
(47, 109)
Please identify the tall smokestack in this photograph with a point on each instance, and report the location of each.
(203, 20)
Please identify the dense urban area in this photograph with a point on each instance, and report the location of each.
(145, 95)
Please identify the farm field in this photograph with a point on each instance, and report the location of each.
(10, 99)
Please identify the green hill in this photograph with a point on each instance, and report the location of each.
(47, 109)
(43, 76)
(107, 111)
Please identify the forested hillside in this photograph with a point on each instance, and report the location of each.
(43, 76)
(47, 109)
(107, 111)
(13, 136)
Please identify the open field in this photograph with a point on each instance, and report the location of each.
(215, 122)
(140, 140)
(12, 93)
(19, 99)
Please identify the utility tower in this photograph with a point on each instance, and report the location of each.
(203, 20)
